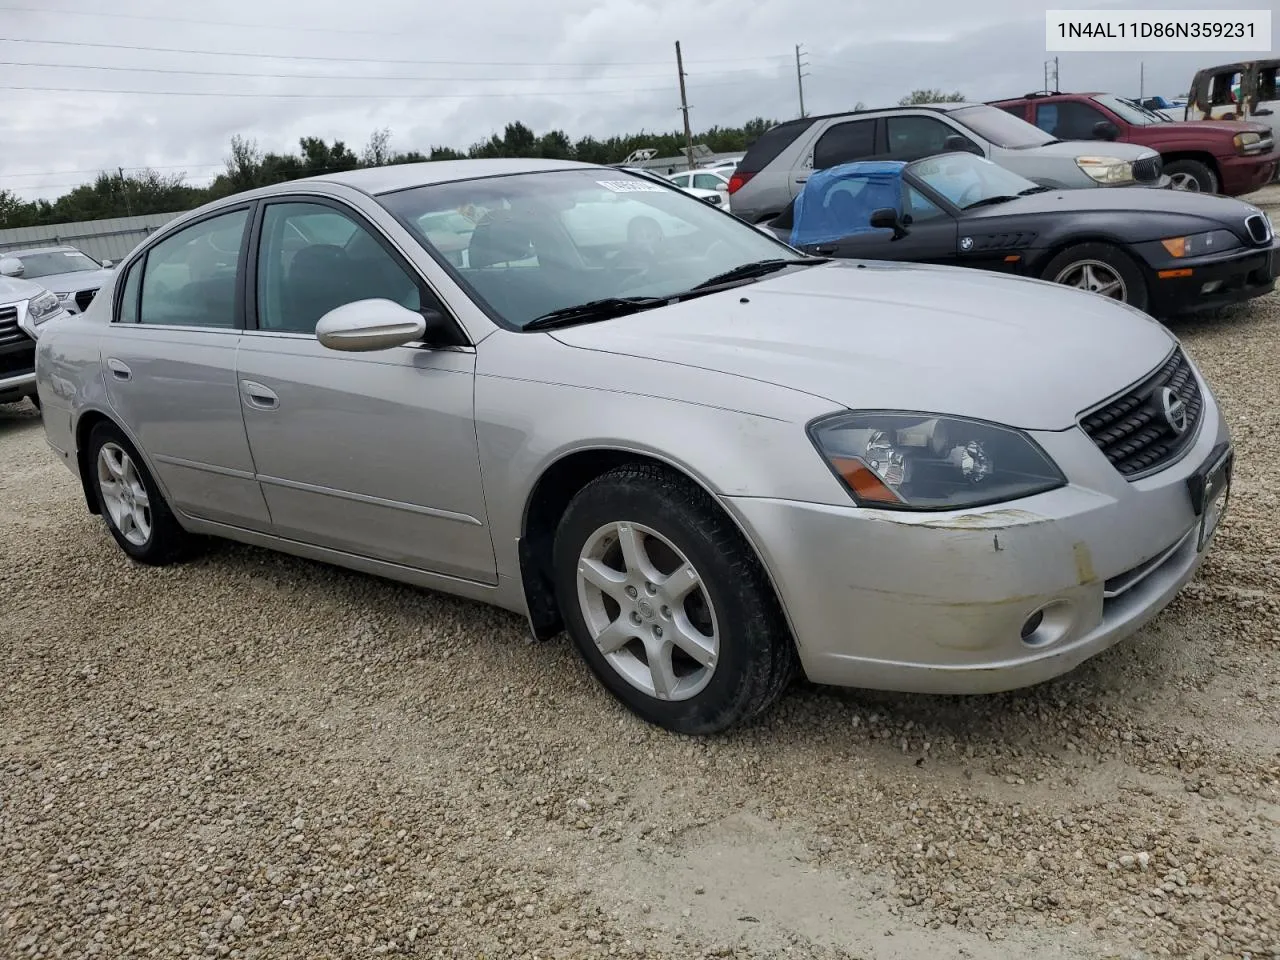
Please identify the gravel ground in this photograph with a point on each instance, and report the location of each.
(257, 756)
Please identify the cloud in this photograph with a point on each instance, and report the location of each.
(585, 66)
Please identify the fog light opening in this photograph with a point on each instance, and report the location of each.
(1047, 624)
(1031, 625)
(1211, 286)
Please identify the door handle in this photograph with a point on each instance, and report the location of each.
(264, 398)
(801, 179)
(119, 369)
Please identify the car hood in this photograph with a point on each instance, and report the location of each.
(75, 280)
(1090, 148)
(13, 289)
(1208, 207)
(904, 336)
(1218, 128)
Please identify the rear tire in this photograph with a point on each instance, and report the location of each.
(1192, 176)
(131, 504)
(694, 661)
(1100, 268)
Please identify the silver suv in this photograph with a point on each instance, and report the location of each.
(777, 165)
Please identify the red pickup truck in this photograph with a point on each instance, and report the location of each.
(1219, 156)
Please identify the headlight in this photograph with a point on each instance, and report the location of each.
(924, 461)
(1199, 244)
(43, 307)
(1247, 142)
(1106, 169)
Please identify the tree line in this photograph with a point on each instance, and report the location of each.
(134, 194)
(131, 194)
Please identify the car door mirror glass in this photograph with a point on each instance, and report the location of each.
(370, 325)
(11, 267)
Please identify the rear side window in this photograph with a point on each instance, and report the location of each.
(771, 143)
(189, 277)
(844, 143)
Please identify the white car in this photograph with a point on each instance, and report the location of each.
(24, 308)
(708, 185)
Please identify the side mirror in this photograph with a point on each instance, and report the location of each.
(722, 187)
(370, 325)
(108, 264)
(1106, 130)
(886, 218)
(11, 267)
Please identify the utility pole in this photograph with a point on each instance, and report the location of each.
(124, 189)
(800, 79)
(1142, 76)
(684, 108)
(1055, 87)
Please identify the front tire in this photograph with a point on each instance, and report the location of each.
(131, 504)
(1192, 176)
(667, 603)
(1102, 269)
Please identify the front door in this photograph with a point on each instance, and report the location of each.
(369, 453)
(169, 358)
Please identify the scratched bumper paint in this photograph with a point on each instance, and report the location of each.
(936, 602)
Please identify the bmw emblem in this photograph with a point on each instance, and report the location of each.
(966, 244)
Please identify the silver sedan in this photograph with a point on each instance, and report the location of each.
(584, 396)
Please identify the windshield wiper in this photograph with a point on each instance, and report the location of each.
(757, 268)
(989, 201)
(1039, 188)
(605, 308)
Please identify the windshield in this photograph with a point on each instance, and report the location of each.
(1002, 129)
(967, 180)
(529, 244)
(53, 262)
(1128, 111)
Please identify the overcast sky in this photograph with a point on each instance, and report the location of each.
(586, 66)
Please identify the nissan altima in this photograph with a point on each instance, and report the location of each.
(609, 407)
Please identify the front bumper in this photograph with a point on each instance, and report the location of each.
(17, 386)
(1180, 287)
(937, 603)
(1245, 174)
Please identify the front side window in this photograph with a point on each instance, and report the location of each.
(549, 240)
(844, 143)
(707, 181)
(919, 207)
(1068, 119)
(911, 138)
(189, 277)
(313, 258)
(681, 179)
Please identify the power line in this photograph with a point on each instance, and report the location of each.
(402, 95)
(327, 59)
(338, 76)
(295, 28)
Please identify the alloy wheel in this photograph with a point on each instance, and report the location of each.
(1096, 277)
(123, 494)
(1185, 181)
(647, 611)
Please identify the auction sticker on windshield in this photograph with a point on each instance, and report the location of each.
(630, 186)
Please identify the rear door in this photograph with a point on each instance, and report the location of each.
(169, 359)
(841, 141)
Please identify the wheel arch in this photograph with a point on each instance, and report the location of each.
(550, 496)
(1199, 156)
(1045, 255)
(85, 422)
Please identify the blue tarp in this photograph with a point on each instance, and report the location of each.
(839, 201)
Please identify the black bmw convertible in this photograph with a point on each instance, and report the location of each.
(1165, 252)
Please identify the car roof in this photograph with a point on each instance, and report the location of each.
(871, 112)
(404, 176)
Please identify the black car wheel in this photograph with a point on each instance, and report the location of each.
(1102, 269)
(1192, 176)
(668, 604)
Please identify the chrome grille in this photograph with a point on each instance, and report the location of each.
(1132, 430)
(1259, 228)
(10, 332)
(1148, 169)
